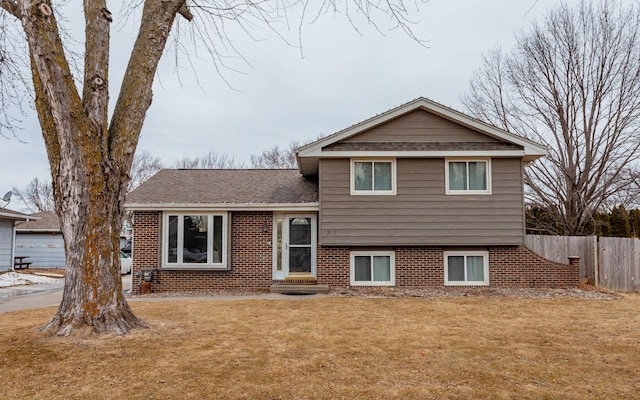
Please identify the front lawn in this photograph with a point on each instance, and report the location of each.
(337, 348)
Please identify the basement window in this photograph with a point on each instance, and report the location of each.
(376, 268)
(463, 268)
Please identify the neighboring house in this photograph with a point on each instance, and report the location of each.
(41, 240)
(419, 196)
(8, 219)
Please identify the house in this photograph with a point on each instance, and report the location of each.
(41, 240)
(419, 196)
(8, 219)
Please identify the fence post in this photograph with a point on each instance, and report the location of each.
(574, 262)
(596, 262)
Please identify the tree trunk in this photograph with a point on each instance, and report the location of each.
(90, 160)
(92, 298)
(91, 207)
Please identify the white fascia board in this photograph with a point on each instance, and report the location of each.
(18, 217)
(530, 147)
(421, 154)
(315, 206)
(37, 230)
(309, 149)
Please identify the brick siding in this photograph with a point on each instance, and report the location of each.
(521, 267)
(250, 256)
(251, 262)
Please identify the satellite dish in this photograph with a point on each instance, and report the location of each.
(7, 197)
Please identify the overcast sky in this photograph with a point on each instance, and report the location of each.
(343, 78)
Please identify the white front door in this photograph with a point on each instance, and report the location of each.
(294, 246)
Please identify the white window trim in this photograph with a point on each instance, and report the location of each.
(467, 192)
(484, 254)
(372, 191)
(278, 275)
(178, 265)
(392, 266)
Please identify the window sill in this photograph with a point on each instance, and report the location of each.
(467, 192)
(373, 284)
(466, 283)
(195, 267)
(373, 193)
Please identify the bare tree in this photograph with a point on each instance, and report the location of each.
(37, 196)
(572, 82)
(276, 157)
(144, 166)
(90, 156)
(211, 160)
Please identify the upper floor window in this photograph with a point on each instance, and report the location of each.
(193, 240)
(373, 177)
(468, 176)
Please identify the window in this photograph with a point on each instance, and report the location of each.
(373, 177)
(468, 177)
(375, 268)
(466, 268)
(193, 240)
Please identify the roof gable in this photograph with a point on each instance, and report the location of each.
(423, 121)
(419, 126)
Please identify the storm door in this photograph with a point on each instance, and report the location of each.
(294, 246)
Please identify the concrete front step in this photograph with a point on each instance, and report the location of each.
(288, 288)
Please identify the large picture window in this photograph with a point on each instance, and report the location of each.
(373, 268)
(468, 177)
(373, 177)
(466, 268)
(193, 240)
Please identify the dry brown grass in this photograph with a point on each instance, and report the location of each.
(337, 348)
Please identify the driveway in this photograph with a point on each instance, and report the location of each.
(25, 297)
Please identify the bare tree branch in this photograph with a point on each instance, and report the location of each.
(11, 6)
(37, 196)
(276, 157)
(144, 166)
(211, 160)
(572, 83)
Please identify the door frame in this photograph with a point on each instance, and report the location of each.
(283, 273)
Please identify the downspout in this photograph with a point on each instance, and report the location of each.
(13, 247)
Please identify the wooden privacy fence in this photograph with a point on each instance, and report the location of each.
(610, 263)
(620, 264)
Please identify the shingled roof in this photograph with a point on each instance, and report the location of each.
(183, 188)
(47, 221)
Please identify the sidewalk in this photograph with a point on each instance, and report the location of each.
(25, 297)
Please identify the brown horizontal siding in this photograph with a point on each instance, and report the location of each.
(408, 219)
(421, 201)
(420, 126)
(421, 213)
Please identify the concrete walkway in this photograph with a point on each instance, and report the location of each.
(37, 299)
(24, 297)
